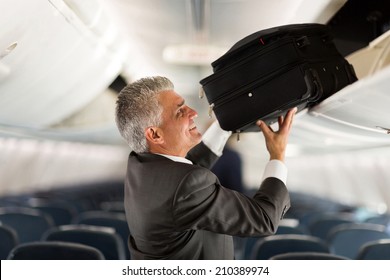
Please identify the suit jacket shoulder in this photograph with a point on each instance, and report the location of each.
(201, 155)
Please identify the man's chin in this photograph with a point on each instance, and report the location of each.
(199, 136)
(195, 131)
(196, 138)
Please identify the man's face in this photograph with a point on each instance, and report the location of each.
(179, 130)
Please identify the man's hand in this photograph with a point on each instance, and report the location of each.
(276, 142)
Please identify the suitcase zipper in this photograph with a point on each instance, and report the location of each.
(255, 43)
(262, 51)
(262, 40)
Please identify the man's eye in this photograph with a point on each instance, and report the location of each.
(180, 112)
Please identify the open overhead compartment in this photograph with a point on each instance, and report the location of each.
(54, 60)
(356, 117)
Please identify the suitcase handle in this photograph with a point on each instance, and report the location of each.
(313, 85)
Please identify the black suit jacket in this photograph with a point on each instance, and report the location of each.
(180, 211)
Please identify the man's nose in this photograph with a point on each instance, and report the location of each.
(191, 112)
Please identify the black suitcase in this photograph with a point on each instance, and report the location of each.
(270, 71)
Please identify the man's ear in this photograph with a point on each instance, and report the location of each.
(154, 135)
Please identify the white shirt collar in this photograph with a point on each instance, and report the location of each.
(177, 159)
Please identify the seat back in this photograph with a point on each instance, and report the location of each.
(322, 226)
(375, 250)
(383, 219)
(250, 242)
(28, 223)
(285, 243)
(346, 239)
(8, 240)
(60, 211)
(104, 239)
(285, 229)
(50, 250)
(107, 219)
(113, 206)
(307, 256)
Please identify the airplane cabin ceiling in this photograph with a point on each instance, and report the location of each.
(58, 57)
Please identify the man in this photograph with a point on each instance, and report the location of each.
(175, 206)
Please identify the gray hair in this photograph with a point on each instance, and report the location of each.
(137, 108)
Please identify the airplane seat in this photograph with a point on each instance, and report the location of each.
(61, 211)
(291, 226)
(270, 246)
(29, 223)
(88, 196)
(375, 250)
(104, 239)
(8, 240)
(104, 191)
(14, 200)
(306, 208)
(308, 256)
(113, 206)
(322, 225)
(59, 205)
(249, 243)
(347, 239)
(115, 220)
(383, 219)
(246, 246)
(52, 250)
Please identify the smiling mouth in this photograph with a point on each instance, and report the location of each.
(192, 127)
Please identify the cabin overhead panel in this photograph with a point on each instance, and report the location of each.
(57, 61)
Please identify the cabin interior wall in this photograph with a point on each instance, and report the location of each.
(359, 178)
(30, 165)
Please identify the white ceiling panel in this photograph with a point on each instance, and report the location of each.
(68, 52)
(57, 67)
